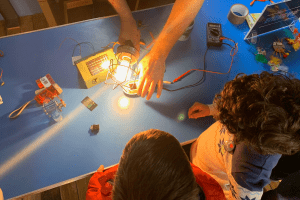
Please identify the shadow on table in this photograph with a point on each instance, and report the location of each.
(179, 112)
(24, 126)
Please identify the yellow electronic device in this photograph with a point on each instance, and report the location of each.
(94, 68)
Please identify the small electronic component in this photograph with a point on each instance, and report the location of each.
(48, 89)
(261, 55)
(45, 81)
(94, 68)
(229, 146)
(89, 103)
(49, 92)
(294, 42)
(95, 128)
(213, 34)
(279, 48)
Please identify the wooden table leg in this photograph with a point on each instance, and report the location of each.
(47, 12)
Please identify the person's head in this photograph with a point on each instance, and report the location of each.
(154, 166)
(263, 111)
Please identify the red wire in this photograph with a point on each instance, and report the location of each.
(180, 77)
(234, 53)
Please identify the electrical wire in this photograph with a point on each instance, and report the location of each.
(90, 44)
(195, 84)
(19, 109)
(70, 39)
(233, 52)
(110, 44)
(2, 82)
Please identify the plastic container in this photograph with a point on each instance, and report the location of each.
(186, 35)
(52, 108)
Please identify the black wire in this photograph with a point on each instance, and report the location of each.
(83, 43)
(203, 76)
(228, 45)
(197, 83)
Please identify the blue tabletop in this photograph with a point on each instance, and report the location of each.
(36, 152)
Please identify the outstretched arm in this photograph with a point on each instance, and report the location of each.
(153, 68)
(129, 30)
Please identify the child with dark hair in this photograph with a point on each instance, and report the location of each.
(153, 166)
(258, 125)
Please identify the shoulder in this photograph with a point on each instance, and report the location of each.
(251, 169)
(245, 155)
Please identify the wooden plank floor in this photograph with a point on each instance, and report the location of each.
(27, 23)
(100, 8)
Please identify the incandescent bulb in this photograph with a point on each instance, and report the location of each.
(123, 71)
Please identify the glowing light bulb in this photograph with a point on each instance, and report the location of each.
(105, 64)
(123, 72)
(123, 102)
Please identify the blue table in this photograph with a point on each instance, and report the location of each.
(35, 152)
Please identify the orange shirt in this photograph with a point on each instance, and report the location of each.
(99, 189)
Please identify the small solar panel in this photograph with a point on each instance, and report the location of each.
(94, 68)
(94, 65)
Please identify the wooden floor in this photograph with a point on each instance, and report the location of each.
(100, 8)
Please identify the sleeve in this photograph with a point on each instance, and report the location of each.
(212, 109)
(94, 187)
(250, 172)
(98, 187)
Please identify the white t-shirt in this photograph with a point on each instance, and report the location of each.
(241, 173)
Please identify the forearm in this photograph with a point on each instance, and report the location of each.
(122, 9)
(182, 14)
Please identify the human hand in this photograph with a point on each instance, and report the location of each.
(129, 31)
(101, 168)
(198, 110)
(1, 195)
(151, 74)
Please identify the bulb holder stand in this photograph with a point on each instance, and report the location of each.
(129, 52)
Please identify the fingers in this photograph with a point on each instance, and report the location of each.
(146, 88)
(195, 110)
(151, 90)
(141, 86)
(159, 88)
(196, 115)
(100, 169)
(193, 113)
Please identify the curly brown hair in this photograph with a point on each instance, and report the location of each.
(263, 111)
(154, 166)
